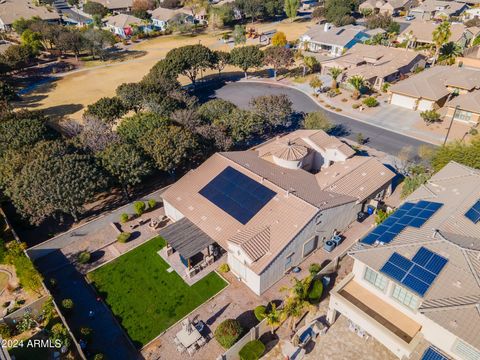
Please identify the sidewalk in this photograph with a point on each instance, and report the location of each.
(390, 117)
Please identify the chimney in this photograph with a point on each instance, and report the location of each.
(327, 27)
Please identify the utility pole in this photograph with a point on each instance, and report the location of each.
(451, 123)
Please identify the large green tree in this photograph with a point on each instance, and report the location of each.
(95, 8)
(247, 57)
(440, 36)
(190, 60)
(132, 95)
(275, 110)
(106, 109)
(133, 128)
(126, 164)
(56, 185)
(466, 154)
(278, 57)
(291, 8)
(169, 146)
(339, 12)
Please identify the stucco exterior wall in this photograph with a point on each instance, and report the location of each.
(171, 211)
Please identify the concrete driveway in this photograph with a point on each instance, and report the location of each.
(241, 93)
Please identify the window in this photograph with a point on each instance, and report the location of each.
(465, 351)
(309, 246)
(374, 278)
(288, 261)
(463, 115)
(405, 297)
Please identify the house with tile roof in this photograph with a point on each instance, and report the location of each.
(385, 7)
(333, 40)
(437, 9)
(117, 6)
(464, 108)
(430, 89)
(124, 25)
(272, 206)
(11, 10)
(161, 17)
(376, 63)
(415, 283)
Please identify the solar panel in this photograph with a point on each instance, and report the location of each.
(433, 354)
(238, 195)
(474, 213)
(409, 214)
(417, 274)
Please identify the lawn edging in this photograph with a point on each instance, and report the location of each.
(186, 316)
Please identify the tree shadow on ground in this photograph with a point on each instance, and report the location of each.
(60, 111)
(339, 130)
(215, 316)
(247, 320)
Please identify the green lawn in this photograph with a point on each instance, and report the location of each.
(144, 297)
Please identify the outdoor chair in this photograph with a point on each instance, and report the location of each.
(176, 341)
(191, 350)
(181, 349)
(201, 342)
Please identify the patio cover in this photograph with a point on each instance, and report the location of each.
(186, 238)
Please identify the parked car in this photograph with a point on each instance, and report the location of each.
(409, 17)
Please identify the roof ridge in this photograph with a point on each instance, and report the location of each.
(347, 173)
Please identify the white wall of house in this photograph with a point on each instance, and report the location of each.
(432, 332)
(171, 211)
(243, 272)
(161, 24)
(424, 104)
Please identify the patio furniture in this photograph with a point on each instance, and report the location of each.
(187, 338)
(200, 326)
(191, 350)
(181, 349)
(176, 341)
(201, 342)
(169, 250)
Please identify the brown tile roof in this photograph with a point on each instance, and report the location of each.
(432, 83)
(453, 300)
(167, 14)
(123, 20)
(360, 177)
(469, 102)
(255, 242)
(422, 31)
(11, 10)
(339, 36)
(116, 4)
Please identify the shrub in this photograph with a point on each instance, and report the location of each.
(123, 237)
(84, 257)
(152, 203)
(370, 101)
(124, 218)
(314, 269)
(355, 106)
(139, 207)
(67, 304)
(315, 293)
(224, 268)
(228, 332)
(381, 216)
(430, 116)
(5, 331)
(259, 312)
(53, 282)
(86, 332)
(317, 120)
(473, 132)
(99, 356)
(252, 350)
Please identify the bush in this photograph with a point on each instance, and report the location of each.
(124, 218)
(260, 312)
(381, 216)
(370, 101)
(84, 257)
(86, 332)
(317, 120)
(316, 290)
(5, 331)
(67, 304)
(314, 269)
(123, 237)
(473, 132)
(99, 356)
(224, 268)
(139, 207)
(430, 116)
(355, 106)
(252, 350)
(152, 203)
(228, 333)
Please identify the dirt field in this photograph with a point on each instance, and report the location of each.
(71, 93)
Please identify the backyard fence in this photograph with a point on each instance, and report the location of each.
(255, 333)
(34, 308)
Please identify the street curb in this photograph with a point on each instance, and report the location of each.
(329, 111)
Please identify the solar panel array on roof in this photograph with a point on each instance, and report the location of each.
(417, 274)
(433, 354)
(238, 195)
(409, 214)
(474, 213)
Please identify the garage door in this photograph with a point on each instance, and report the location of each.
(425, 105)
(403, 101)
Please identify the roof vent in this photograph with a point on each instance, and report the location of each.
(457, 284)
(453, 323)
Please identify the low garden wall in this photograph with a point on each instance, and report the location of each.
(35, 308)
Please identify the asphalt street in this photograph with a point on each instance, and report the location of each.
(384, 140)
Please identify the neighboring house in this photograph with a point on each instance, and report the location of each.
(430, 89)
(375, 63)
(272, 206)
(415, 283)
(470, 14)
(11, 10)
(420, 33)
(117, 6)
(464, 108)
(385, 7)
(201, 17)
(333, 40)
(161, 17)
(437, 9)
(124, 25)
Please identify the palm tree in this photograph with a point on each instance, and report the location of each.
(449, 52)
(440, 36)
(301, 288)
(311, 62)
(357, 82)
(293, 309)
(273, 318)
(335, 72)
(316, 83)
